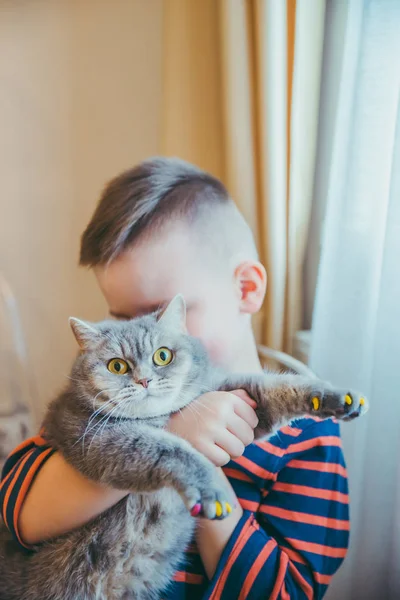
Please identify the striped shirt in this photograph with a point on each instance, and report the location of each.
(294, 531)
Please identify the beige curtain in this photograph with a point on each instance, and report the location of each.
(241, 95)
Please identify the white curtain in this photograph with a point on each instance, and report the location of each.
(356, 325)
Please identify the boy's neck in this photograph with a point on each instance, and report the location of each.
(248, 360)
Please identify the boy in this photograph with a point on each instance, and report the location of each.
(166, 227)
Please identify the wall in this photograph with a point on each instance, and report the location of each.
(192, 110)
(80, 85)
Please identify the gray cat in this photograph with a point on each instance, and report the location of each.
(109, 424)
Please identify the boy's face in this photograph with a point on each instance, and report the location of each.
(153, 272)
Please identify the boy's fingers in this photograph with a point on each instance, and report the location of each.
(241, 429)
(217, 455)
(246, 412)
(230, 443)
(244, 396)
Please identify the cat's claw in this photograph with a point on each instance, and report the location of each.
(212, 505)
(196, 510)
(217, 510)
(342, 404)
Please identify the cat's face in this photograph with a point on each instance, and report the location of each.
(141, 368)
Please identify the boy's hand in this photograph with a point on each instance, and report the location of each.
(218, 424)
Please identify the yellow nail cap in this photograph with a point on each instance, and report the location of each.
(315, 403)
(228, 508)
(348, 399)
(218, 508)
(362, 401)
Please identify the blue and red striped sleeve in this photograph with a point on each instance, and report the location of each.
(19, 471)
(297, 538)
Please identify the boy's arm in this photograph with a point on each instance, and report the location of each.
(66, 498)
(60, 499)
(300, 535)
(213, 536)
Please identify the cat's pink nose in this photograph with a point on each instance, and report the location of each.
(143, 382)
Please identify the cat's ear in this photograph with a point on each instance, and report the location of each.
(174, 314)
(85, 333)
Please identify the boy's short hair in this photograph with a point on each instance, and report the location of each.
(143, 198)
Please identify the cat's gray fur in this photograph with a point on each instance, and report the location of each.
(111, 429)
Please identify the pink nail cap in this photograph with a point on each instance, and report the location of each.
(196, 510)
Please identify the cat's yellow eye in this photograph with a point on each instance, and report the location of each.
(162, 357)
(118, 366)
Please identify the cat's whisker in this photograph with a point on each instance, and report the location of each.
(193, 408)
(104, 392)
(194, 411)
(83, 396)
(119, 423)
(126, 396)
(100, 430)
(204, 389)
(120, 406)
(89, 425)
(73, 379)
(204, 405)
(93, 427)
(101, 424)
(100, 409)
(83, 436)
(182, 413)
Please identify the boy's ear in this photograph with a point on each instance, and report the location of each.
(251, 282)
(85, 333)
(174, 314)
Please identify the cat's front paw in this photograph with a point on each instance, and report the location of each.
(342, 404)
(211, 503)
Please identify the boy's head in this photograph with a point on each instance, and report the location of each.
(166, 227)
